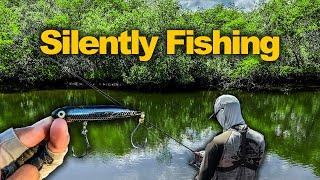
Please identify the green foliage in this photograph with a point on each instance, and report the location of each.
(59, 20)
(139, 74)
(9, 26)
(245, 68)
(170, 70)
(296, 22)
(3, 69)
(287, 70)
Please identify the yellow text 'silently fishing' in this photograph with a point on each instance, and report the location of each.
(133, 43)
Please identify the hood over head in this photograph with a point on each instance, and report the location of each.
(228, 111)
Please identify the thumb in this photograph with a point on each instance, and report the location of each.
(32, 135)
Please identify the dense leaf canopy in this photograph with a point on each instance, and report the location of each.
(296, 22)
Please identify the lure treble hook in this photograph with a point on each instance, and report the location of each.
(141, 120)
(84, 133)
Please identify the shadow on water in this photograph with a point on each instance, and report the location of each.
(289, 123)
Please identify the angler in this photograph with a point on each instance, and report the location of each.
(236, 153)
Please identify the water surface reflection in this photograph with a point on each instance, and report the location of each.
(289, 123)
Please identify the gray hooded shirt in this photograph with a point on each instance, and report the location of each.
(238, 151)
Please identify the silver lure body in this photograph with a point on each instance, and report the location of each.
(95, 113)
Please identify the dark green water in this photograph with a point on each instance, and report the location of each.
(289, 123)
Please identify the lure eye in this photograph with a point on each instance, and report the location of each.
(61, 114)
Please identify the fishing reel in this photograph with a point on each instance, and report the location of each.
(198, 157)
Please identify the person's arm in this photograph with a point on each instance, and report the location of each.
(210, 161)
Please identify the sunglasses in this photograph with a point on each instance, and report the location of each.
(214, 115)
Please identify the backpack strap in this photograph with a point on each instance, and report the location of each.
(242, 162)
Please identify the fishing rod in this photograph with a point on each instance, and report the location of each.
(113, 100)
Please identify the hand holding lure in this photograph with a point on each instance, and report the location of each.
(82, 114)
(87, 114)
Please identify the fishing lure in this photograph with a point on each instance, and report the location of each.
(64, 112)
(87, 114)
